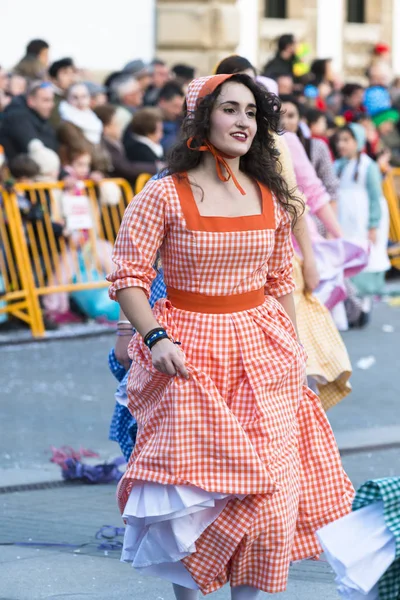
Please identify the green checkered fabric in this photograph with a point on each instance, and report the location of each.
(387, 490)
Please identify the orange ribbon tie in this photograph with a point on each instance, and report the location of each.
(220, 162)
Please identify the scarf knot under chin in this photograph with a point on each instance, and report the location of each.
(220, 162)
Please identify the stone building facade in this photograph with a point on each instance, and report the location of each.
(201, 32)
(198, 32)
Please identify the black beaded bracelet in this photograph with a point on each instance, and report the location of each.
(154, 336)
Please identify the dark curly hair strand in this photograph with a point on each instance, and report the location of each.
(262, 160)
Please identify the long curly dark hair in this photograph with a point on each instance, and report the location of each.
(262, 160)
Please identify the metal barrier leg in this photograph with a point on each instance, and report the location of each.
(37, 327)
(33, 279)
(23, 263)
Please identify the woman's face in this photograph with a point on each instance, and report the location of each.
(346, 145)
(79, 97)
(233, 123)
(290, 117)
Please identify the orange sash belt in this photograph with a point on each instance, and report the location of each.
(215, 304)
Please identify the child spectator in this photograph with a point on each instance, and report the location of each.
(353, 97)
(389, 135)
(88, 250)
(75, 173)
(146, 134)
(317, 122)
(363, 214)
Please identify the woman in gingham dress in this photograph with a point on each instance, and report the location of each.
(235, 466)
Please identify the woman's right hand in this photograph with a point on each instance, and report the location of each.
(169, 359)
(311, 275)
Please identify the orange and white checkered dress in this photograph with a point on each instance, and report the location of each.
(243, 424)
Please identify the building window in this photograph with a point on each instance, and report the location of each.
(276, 9)
(356, 11)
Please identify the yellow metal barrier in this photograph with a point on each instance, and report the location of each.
(38, 257)
(391, 190)
(141, 181)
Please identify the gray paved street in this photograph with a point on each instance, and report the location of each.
(61, 393)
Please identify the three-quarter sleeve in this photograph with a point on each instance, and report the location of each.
(280, 267)
(140, 236)
(307, 179)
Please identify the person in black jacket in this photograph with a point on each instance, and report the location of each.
(283, 62)
(143, 136)
(121, 165)
(25, 120)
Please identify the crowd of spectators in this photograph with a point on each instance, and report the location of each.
(50, 113)
(128, 122)
(57, 124)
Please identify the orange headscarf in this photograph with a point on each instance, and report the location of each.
(198, 89)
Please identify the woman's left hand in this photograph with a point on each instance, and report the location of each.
(311, 275)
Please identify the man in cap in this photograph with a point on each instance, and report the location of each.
(140, 71)
(98, 94)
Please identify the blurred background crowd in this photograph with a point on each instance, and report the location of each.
(58, 124)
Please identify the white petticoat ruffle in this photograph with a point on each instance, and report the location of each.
(360, 548)
(163, 523)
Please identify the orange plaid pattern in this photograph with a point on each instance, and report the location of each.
(198, 86)
(242, 423)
